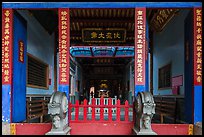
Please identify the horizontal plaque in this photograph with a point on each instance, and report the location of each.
(100, 35)
(161, 18)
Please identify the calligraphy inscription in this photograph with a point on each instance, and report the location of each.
(99, 35)
(161, 18)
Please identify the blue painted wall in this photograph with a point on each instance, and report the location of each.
(169, 48)
(6, 103)
(197, 104)
(147, 61)
(188, 64)
(19, 70)
(41, 45)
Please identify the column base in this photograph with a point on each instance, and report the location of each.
(143, 132)
(66, 131)
(6, 128)
(197, 130)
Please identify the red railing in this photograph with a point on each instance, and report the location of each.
(121, 110)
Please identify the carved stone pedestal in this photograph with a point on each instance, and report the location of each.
(145, 109)
(143, 132)
(66, 131)
(58, 110)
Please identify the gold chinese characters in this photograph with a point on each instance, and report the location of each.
(6, 46)
(198, 46)
(63, 47)
(140, 46)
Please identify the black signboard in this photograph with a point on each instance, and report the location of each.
(99, 35)
(161, 18)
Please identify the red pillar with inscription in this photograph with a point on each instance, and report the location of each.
(7, 52)
(140, 49)
(64, 46)
(197, 66)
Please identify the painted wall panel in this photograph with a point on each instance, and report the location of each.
(7, 63)
(188, 63)
(6, 98)
(147, 70)
(169, 48)
(41, 45)
(197, 104)
(19, 70)
(110, 128)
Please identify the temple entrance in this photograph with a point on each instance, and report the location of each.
(102, 53)
(101, 62)
(102, 50)
(106, 96)
(105, 77)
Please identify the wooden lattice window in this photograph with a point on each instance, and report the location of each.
(37, 73)
(165, 76)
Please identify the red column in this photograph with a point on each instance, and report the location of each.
(140, 49)
(7, 60)
(64, 46)
(197, 66)
(197, 46)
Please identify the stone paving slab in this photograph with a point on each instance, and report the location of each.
(5, 128)
(198, 129)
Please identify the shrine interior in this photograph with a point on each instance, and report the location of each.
(106, 68)
(104, 65)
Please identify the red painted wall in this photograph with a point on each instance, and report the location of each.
(100, 129)
(33, 128)
(170, 129)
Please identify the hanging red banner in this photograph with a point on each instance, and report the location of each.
(64, 44)
(140, 45)
(7, 31)
(197, 46)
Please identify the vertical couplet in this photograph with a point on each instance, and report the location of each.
(64, 45)
(140, 49)
(7, 52)
(197, 66)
